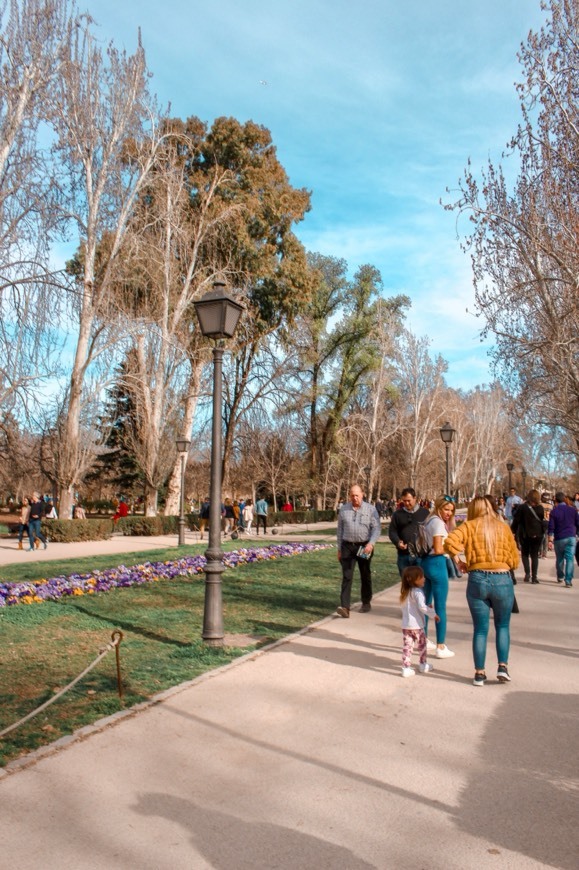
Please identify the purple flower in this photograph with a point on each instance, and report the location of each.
(149, 572)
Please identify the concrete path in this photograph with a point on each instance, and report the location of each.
(317, 754)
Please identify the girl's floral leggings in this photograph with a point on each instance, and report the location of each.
(410, 637)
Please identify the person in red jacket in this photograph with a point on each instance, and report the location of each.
(122, 510)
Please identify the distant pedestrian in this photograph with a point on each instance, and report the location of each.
(240, 523)
(50, 511)
(414, 613)
(34, 520)
(527, 527)
(203, 516)
(358, 530)
(511, 504)
(122, 510)
(228, 516)
(23, 525)
(563, 531)
(261, 515)
(248, 515)
(79, 512)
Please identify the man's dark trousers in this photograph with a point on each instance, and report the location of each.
(348, 562)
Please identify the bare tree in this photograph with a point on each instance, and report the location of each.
(107, 136)
(420, 380)
(33, 39)
(375, 416)
(524, 240)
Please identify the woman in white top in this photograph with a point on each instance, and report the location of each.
(435, 569)
(247, 515)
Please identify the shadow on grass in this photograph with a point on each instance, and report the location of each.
(126, 625)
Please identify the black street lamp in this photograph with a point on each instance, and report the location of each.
(367, 471)
(510, 467)
(183, 448)
(447, 434)
(524, 476)
(218, 315)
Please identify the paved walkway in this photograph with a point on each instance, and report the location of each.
(10, 554)
(317, 754)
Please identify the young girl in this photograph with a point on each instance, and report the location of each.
(414, 609)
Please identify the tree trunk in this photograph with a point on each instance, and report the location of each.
(151, 496)
(173, 503)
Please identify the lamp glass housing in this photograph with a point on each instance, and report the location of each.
(218, 313)
(447, 433)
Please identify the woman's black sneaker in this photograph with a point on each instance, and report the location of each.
(479, 679)
(503, 674)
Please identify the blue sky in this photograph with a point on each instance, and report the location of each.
(374, 106)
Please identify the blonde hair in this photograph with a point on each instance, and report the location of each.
(481, 512)
(442, 501)
(409, 577)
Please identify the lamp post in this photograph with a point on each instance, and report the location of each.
(524, 476)
(447, 434)
(183, 448)
(218, 315)
(510, 467)
(367, 471)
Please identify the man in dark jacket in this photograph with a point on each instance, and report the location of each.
(404, 527)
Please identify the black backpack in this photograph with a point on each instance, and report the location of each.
(420, 546)
(533, 526)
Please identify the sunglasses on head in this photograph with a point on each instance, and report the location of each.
(448, 498)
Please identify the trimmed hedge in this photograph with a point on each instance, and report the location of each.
(144, 526)
(66, 531)
(301, 517)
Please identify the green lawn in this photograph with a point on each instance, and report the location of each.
(47, 645)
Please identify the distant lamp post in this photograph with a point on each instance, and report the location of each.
(447, 434)
(218, 314)
(367, 471)
(524, 476)
(510, 467)
(540, 483)
(183, 448)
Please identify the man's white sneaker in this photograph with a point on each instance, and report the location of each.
(429, 645)
(443, 652)
(408, 672)
(425, 668)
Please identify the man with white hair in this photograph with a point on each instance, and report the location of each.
(358, 530)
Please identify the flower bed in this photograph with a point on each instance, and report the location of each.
(114, 578)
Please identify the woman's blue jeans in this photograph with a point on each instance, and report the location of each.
(486, 591)
(436, 587)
